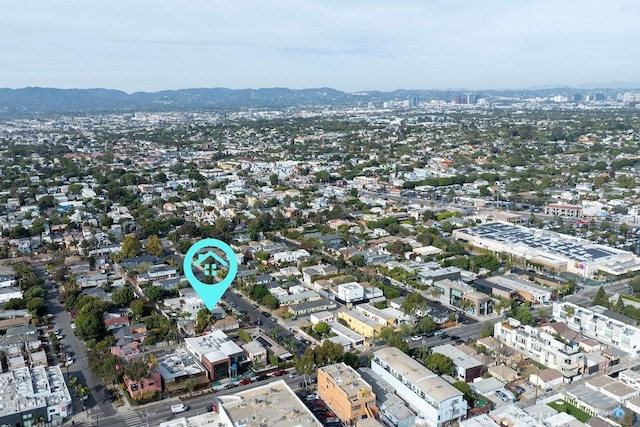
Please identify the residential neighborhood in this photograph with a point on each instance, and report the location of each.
(431, 263)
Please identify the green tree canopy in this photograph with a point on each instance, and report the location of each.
(439, 364)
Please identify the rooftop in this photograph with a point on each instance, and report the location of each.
(272, 404)
(25, 389)
(414, 372)
(459, 357)
(348, 380)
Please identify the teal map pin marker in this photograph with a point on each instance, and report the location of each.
(203, 255)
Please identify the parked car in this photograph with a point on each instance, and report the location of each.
(209, 408)
(443, 336)
(311, 396)
(266, 313)
(262, 377)
(416, 338)
(230, 386)
(245, 381)
(279, 373)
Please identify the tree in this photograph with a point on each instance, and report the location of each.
(89, 325)
(137, 370)
(36, 306)
(139, 308)
(123, 297)
(357, 260)
(439, 364)
(352, 360)
(413, 301)
(270, 301)
(155, 293)
(190, 384)
(466, 391)
(130, 247)
(620, 304)
(46, 202)
(328, 353)
(154, 246)
(353, 192)
(523, 315)
(426, 324)
(321, 328)
(273, 179)
(15, 304)
(601, 298)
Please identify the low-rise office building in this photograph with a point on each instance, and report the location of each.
(221, 357)
(426, 393)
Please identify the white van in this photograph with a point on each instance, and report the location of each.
(176, 409)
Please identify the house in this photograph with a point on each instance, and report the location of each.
(320, 305)
(157, 272)
(144, 386)
(256, 353)
(112, 323)
(322, 316)
(503, 373)
(547, 379)
(309, 274)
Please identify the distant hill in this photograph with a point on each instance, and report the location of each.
(37, 100)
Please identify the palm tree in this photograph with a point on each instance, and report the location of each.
(502, 304)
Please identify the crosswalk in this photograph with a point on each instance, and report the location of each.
(133, 419)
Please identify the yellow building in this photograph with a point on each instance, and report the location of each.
(346, 393)
(361, 324)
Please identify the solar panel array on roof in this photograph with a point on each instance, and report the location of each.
(550, 242)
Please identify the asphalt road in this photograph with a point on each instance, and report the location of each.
(95, 404)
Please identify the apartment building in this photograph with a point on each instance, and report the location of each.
(467, 368)
(361, 324)
(426, 393)
(347, 394)
(377, 315)
(600, 324)
(541, 347)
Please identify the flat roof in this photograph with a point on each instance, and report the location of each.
(543, 241)
(178, 363)
(459, 357)
(25, 389)
(272, 404)
(417, 374)
(593, 398)
(347, 378)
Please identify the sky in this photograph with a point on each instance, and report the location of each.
(350, 45)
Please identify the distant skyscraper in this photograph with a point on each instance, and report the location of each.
(413, 102)
(577, 97)
(600, 97)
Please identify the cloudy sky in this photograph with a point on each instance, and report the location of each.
(351, 45)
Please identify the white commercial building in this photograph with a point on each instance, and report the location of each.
(8, 293)
(600, 324)
(541, 347)
(433, 398)
(555, 251)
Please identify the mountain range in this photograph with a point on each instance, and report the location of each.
(38, 100)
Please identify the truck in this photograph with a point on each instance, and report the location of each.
(176, 409)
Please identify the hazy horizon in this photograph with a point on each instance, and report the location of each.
(149, 46)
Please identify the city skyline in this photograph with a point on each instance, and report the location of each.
(373, 45)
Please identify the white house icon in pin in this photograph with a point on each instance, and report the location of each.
(210, 267)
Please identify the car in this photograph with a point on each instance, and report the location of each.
(293, 374)
(438, 333)
(258, 322)
(416, 338)
(273, 319)
(311, 396)
(233, 304)
(519, 389)
(254, 305)
(243, 312)
(454, 337)
(530, 385)
(298, 337)
(245, 381)
(262, 377)
(181, 407)
(69, 361)
(459, 342)
(209, 408)
(266, 313)
(230, 386)
(279, 373)
(443, 336)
